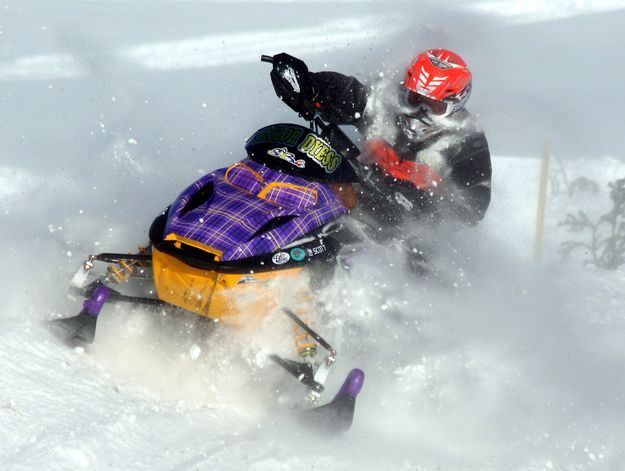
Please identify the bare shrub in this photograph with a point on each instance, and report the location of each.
(606, 247)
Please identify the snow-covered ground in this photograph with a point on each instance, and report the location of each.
(108, 109)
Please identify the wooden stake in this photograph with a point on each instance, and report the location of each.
(542, 203)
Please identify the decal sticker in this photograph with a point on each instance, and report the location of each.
(442, 62)
(321, 152)
(317, 250)
(280, 258)
(298, 254)
(284, 154)
(286, 135)
(428, 84)
(289, 76)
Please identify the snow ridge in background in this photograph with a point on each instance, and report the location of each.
(532, 11)
(211, 51)
(239, 48)
(42, 67)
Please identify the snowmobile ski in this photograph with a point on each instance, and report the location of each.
(81, 327)
(337, 416)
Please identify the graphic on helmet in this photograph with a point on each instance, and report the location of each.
(438, 80)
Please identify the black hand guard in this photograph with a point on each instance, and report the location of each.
(293, 85)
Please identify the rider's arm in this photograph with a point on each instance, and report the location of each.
(468, 196)
(342, 99)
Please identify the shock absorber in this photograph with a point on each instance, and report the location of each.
(311, 374)
(124, 269)
(306, 346)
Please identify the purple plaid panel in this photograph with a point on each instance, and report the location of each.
(244, 178)
(229, 218)
(232, 216)
(290, 197)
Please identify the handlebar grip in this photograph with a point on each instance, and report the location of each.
(266, 58)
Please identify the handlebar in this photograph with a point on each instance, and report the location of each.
(331, 131)
(305, 107)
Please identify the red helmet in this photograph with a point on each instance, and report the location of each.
(438, 79)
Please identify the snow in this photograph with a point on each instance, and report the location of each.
(531, 11)
(108, 110)
(209, 51)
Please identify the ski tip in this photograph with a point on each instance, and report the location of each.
(77, 329)
(337, 416)
(352, 384)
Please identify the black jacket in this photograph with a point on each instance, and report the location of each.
(466, 167)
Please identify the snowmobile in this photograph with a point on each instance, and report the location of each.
(237, 232)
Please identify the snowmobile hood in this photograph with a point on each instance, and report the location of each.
(249, 209)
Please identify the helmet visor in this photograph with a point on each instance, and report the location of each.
(418, 101)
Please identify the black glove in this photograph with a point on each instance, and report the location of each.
(293, 85)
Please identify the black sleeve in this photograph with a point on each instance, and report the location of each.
(470, 178)
(343, 98)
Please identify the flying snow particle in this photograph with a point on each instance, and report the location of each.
(195, 351)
